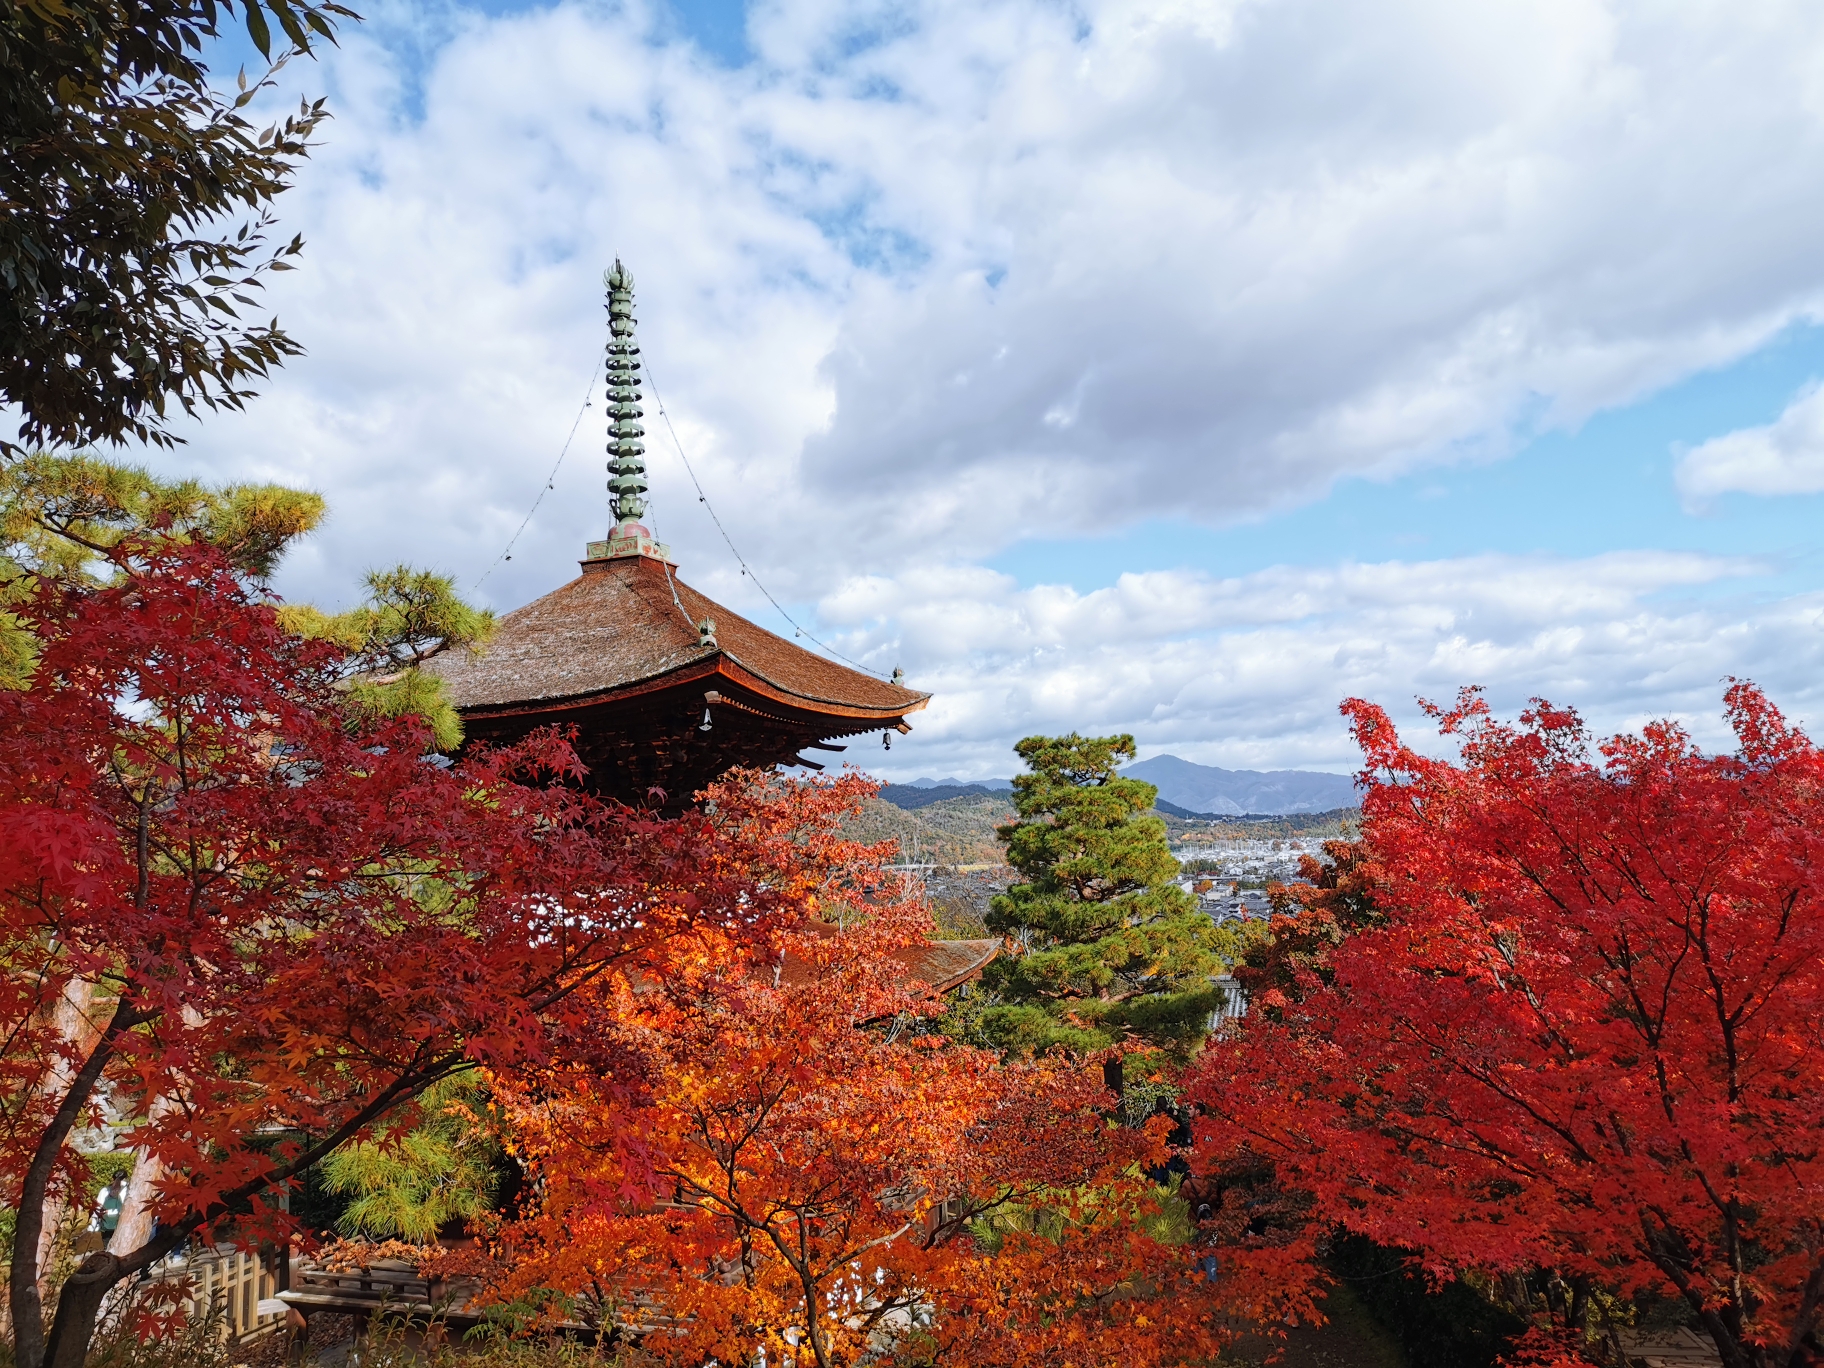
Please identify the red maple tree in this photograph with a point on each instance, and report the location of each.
(822, 1181)
(1580, 1031)
(1307, 920)
(230, 909)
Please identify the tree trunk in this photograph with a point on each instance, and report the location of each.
(23, 1296)
(85, 1292)
(1580, 1302)
(1111, 1076)
(813, 1330)
(71, 1020)
(78, 1307)
(1729, 1348)
(135, 1226)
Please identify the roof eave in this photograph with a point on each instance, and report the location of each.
(712, 665)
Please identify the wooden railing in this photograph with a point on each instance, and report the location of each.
(1678, 1348)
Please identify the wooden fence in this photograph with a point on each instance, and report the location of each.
(245, 1287)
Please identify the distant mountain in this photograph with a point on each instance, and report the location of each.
(1171, 809)
(1186, 789)
(1195, 790)
(1002, 785)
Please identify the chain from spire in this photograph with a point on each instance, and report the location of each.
(626, 452)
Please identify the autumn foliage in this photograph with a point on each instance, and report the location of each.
(252, 922)
(1576, 1027)
(1307, 921)
(825, 1181)
(1555, 1016)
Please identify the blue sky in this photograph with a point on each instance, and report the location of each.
(1606, 484)
(719, 27)
(1179, 367)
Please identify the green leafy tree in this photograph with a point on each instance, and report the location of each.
(1107, 951)
(135, 207)
(411, 1183)
(59, 515)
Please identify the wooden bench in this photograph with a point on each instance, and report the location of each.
(387, 1286)
(394, 1289)
(1680, 1348)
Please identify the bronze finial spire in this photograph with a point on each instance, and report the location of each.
(626, 452)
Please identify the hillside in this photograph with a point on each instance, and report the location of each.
(911, 796)
(948, 833)
(951, 831)
(952, 840)
(1318, 826)
(960, 830)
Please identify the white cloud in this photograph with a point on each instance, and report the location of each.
(1784, 457)
(927, 278)
(1248, 672)
(924, 279)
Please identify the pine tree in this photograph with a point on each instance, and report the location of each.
(408, 617)
(1109, 950)
(63, 517)
(412, 1183)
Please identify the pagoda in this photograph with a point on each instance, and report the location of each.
(666, 689)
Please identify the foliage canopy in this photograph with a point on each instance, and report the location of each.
(135, 204)
(829, 1186)
(1578, 1032)
(231, 909)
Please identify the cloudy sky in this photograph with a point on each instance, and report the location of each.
(1172, 366)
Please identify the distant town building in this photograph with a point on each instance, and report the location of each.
(1234, 1001)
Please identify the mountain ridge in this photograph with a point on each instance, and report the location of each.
(1186, 789)
(992, 785)
(1213, 791)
